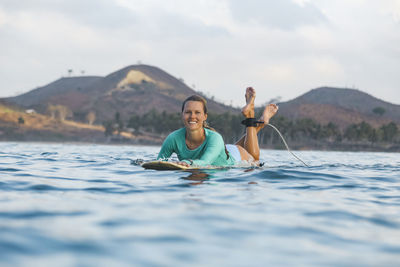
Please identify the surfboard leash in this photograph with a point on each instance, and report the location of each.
(287, 147)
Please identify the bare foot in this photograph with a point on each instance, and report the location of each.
(248, 109)
(269, 111)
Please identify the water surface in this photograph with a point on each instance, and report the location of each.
(86, 205)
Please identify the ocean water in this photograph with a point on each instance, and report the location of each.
(87, 205)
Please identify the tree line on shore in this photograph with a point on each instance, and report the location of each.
(230, 127)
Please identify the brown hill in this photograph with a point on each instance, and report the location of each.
(62, 86)
(136, 89)
(18, 125)
(340, 106)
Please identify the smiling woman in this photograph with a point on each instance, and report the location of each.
(197, 144)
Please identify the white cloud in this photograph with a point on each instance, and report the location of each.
(282, 14)
(301, 2)
(327, 67)
(94, 13)
(278, 72)
(281, 47)
(3, 18)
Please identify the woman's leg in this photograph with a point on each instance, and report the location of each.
(268, 113)
(250, 140)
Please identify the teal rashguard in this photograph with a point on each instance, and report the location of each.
(210, 152)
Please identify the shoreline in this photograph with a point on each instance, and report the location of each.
(294, 147)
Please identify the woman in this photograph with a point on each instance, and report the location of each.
(199, 145)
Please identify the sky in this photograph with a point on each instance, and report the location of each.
(219, 47)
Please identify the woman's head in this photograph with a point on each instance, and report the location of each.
(196, 98)
(194, 112)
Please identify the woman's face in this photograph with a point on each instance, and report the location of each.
(193, 115)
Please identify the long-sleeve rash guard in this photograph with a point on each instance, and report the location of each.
(210, 152)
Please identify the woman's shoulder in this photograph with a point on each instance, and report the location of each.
(177, 133)
(212, 134)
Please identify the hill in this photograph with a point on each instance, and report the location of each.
(135, 89)
(340, 106)
(50, 92)
(124, 100)
(18, 125)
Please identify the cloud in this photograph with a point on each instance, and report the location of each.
(283, 14)
(178, 26)
(176, 19)
(3, 18)
(282, 47)
(93, 13)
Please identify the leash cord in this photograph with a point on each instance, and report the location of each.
(287, 147)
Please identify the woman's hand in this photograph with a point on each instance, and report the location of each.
(182, 163)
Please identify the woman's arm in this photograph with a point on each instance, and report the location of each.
(167, 148)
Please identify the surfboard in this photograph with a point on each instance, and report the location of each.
(165, 165)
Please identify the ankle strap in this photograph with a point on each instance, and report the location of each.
(251, 122)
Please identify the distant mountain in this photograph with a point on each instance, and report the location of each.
(50, 92)
(138, 89)
(340, 106)
(135, 89)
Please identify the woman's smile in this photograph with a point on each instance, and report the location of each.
(193, 123)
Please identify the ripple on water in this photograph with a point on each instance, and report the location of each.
(290, 175)
(46, 159)
(38, 214)
(30, 241)
(351, 216)
(48, 153)
(117, 222)
(44, 187)
(9, 170)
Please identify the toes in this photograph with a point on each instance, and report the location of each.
(250, 90)
(273, 107)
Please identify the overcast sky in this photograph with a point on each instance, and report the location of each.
(282, 48)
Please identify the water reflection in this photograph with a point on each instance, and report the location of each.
(197, 176)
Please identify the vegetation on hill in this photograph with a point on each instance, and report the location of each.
(301, 133)
(342, 107)
(18, 125)
(153, 126)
